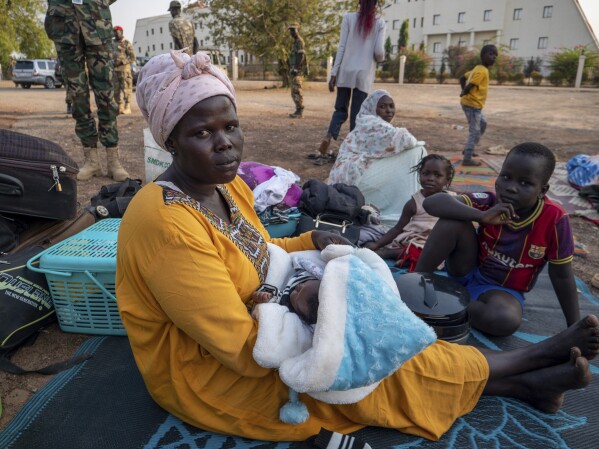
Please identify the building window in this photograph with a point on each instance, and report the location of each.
(517, 14)
(195, 26)
(486, 42)
(139, 50)
(147, 33)
(152, 31)
(153, 47)
(437, 47)
(161, 46)
(201, 42)
(547, 12)
(148, 48)
(414, 23)
(170, 45)
(421, 22)
(487, 15)
(514, 44)
(461, 17)
(160, 30)
(396, 24)
(437, 19)
(241, 58)
(542, 42)
(461, 43)
(201, 25)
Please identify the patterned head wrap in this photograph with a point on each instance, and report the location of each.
(169, 85)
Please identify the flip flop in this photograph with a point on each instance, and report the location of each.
(313, 155)
(328, 159)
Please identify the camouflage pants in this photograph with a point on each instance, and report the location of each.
(98, 60)
(68, 98)
(296, 90)
(123, 85)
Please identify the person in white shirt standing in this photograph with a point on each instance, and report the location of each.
(361, 47)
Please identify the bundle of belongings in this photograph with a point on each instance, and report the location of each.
(276, 194)
(363, 331)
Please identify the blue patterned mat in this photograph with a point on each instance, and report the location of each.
(103, 404)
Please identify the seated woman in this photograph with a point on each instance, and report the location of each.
(377, 157)
(191, 251)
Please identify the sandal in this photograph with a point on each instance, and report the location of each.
(328, 159)
(313, 155)
(471, 163)
(321, 160)
(473, 154)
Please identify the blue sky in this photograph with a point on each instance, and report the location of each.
(126, 12)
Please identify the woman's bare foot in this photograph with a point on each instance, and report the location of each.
(584, 335)
(547, 386)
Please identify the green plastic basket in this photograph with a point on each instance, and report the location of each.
(81, 273)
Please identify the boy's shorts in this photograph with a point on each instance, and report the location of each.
(477, 284)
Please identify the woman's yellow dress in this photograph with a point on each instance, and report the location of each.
(183, 281)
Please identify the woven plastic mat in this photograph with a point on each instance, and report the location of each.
(103, 403)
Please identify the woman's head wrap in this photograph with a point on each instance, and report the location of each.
(169, 85)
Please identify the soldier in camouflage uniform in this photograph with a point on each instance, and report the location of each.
(124, 56)
(182, 30)
(82, 32)
(297, 70)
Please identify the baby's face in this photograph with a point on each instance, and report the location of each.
(300, 298)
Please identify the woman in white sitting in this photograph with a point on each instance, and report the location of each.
(377, 156)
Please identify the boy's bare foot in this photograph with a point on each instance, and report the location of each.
(547, 386)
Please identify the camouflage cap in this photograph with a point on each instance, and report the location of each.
(294, 25)
(174, 4)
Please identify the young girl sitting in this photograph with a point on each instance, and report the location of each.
(405, 240)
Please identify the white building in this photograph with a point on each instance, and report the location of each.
(529, 28)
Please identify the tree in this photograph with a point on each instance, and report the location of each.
(388, 51)
(22, 30)
(259, 27)
(402, 42)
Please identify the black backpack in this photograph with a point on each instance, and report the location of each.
(112, 199)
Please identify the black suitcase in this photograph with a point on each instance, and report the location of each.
(37, 177)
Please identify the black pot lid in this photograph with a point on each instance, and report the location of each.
(432, 294)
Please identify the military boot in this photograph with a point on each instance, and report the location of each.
(91, 166)
(127, 109)
(121, 108)
(115, 169)
(299, 113)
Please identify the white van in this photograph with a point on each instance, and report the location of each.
(35, 71)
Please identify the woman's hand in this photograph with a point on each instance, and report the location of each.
(501, 213)
(322, 239)
(332, 83)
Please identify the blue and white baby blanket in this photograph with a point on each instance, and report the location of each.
(364, 332)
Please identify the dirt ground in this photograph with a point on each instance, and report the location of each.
(566, 120)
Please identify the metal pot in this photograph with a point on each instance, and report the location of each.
(439, 301)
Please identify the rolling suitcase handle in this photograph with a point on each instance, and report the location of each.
(11, 186)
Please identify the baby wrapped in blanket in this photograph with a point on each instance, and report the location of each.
(363, 332)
